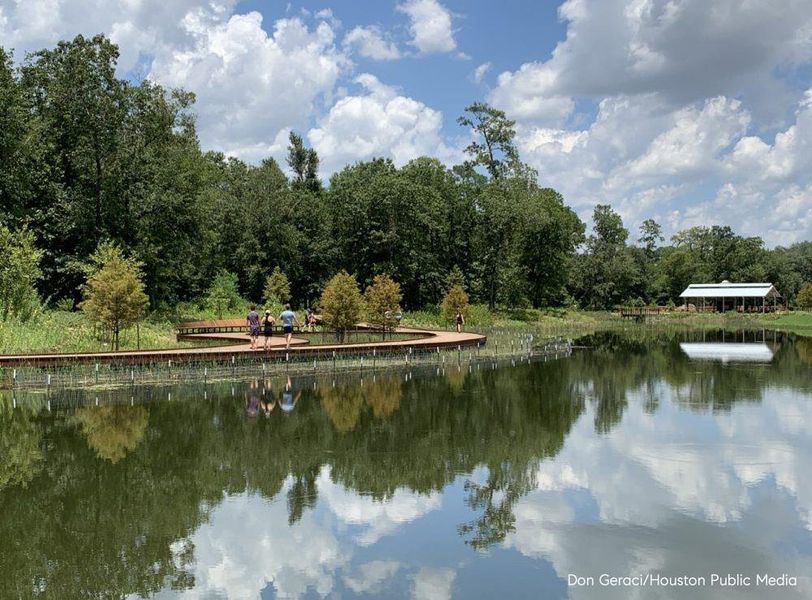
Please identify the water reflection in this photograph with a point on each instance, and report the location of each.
(626, 457)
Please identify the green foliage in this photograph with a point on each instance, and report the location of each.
(114, 293)
(277, 287)
(455, 301)
(382, 301)
(304, 162)
(19, 269)
(494, 149)
(341, 304)
(86, 157)
(223, 295)
(607, 273)
(804, 298)
(112, 431)
(384, 221)
(20, 446)
(455, 278)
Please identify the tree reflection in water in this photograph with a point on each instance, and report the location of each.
(113, 431)
(114, 492)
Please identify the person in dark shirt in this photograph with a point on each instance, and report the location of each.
(253, 325)
(460, 321)
(267, 328)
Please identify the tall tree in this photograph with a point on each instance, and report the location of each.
(304, 162)
(606, 274)
(494, 149)
(16, 168)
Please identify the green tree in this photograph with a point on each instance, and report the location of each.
(114, 293)
(606, 274)
(455, 301)
(651, 234)
(19, 269)
(804, 297)
(341, 304)
(277, 287)
(382, 300)
(547, 234)
(383, 221)
(495, 149)
(304, 162)
(455, 278)
(16, 168)
(223, 294)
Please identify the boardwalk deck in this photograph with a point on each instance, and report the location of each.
(640, 313)
(238, 344)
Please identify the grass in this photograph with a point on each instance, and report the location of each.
(62, 331)
(799, 322)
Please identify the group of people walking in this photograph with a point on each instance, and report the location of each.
(267, 323)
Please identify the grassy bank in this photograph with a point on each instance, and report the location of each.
(62, 331)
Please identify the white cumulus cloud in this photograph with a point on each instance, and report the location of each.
(430, 26)
(378, 123)
(370, 42)
(252, 85)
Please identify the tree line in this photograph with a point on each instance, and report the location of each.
(88, 159)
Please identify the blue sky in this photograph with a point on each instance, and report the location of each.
(693, 112)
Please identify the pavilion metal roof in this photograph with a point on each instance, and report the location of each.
(730, 290)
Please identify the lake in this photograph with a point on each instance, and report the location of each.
(646, 453)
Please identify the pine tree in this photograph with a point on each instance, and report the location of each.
(383, 302)
(341, 305)
(455, 301)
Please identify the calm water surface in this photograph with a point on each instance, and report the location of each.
(676, 454)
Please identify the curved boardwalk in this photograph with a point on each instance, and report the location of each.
(237, 343)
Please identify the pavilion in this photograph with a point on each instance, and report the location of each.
(742, 297)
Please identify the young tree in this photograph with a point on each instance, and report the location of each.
(455, 301)
(277, 287)
(455, 278)
(223, 294)
(383, 302)
(114, 293)
(496, 152)
(19, 269)
(804, 297)
(342, 305)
